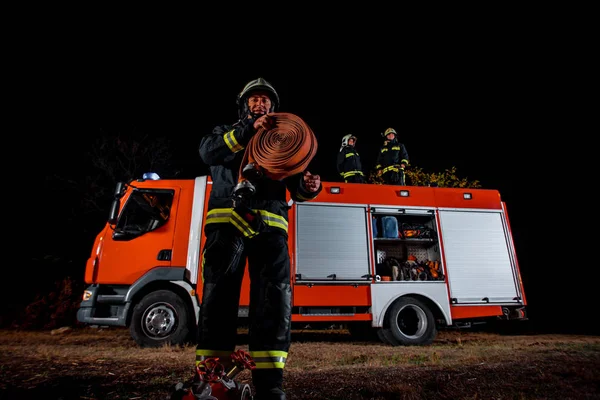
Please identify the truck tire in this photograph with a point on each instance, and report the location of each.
(385, 335)
(160, 318)
(411, 323)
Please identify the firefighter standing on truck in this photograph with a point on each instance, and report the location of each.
(348, 161)
(392, 159)
(260, 236)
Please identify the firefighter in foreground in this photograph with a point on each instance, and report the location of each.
(256, 232)
(348, 161)
(392, 159)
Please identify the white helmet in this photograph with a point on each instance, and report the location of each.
(347, 138)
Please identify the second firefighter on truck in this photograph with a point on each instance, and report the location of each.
(257, 232)
(392, 159)
(348, 161)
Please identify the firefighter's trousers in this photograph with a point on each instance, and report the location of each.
(224, 257)
(355, 179)
(394, 177)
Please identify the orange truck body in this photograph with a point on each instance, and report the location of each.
(361, 255)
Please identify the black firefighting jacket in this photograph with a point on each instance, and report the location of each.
(348, 162)
(390, 157)
(223, 152)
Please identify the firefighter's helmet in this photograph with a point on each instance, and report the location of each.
(253, 86)
(388, 131)
(347, 138)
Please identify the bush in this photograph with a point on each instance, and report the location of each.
(53, 309)
(415, 176)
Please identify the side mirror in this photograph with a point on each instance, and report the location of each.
(119, 190)
(113, 215)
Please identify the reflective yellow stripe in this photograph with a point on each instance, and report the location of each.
(203, 262)
(351, 154)
(300, 197)
(391, 168)
(395, 147)
(273, 219)
(221, 215)
(231, 142)
(269, 359)
(242, 225)
(350, 173)
(227, 215)
(404, 161)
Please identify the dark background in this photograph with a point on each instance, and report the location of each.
(488, 107)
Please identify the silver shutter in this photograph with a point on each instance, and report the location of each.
(478, 262)
(331, 241)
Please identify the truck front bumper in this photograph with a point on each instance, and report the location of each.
(102, 309)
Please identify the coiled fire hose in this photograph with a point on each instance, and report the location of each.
(282, 151)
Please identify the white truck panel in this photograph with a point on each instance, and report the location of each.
(195, 236)
(385, 293)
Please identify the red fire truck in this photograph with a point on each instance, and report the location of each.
(400, 262)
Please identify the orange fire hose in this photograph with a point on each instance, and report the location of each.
(283, 151)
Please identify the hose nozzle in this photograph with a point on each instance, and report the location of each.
(252, 171)
(243, 189)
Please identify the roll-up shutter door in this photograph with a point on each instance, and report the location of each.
(477, 257)
(331, 242)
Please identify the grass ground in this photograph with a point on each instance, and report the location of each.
(88, 363)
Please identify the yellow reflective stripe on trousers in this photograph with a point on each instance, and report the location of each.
(269, 359)
(231, 142)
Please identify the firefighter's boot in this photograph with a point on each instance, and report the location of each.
(273, 394)
(268, 384)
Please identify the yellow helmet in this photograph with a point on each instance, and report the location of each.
(388, 131)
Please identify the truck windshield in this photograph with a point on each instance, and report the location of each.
(144, 211)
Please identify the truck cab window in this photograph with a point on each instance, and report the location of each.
(143, 212)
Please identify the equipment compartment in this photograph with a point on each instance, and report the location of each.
(411, 254)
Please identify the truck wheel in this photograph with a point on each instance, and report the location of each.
(411, 322)
(160, 318)
(385, 335)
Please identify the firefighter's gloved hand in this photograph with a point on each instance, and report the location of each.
(266, 122)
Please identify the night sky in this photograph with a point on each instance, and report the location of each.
(480, 111)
